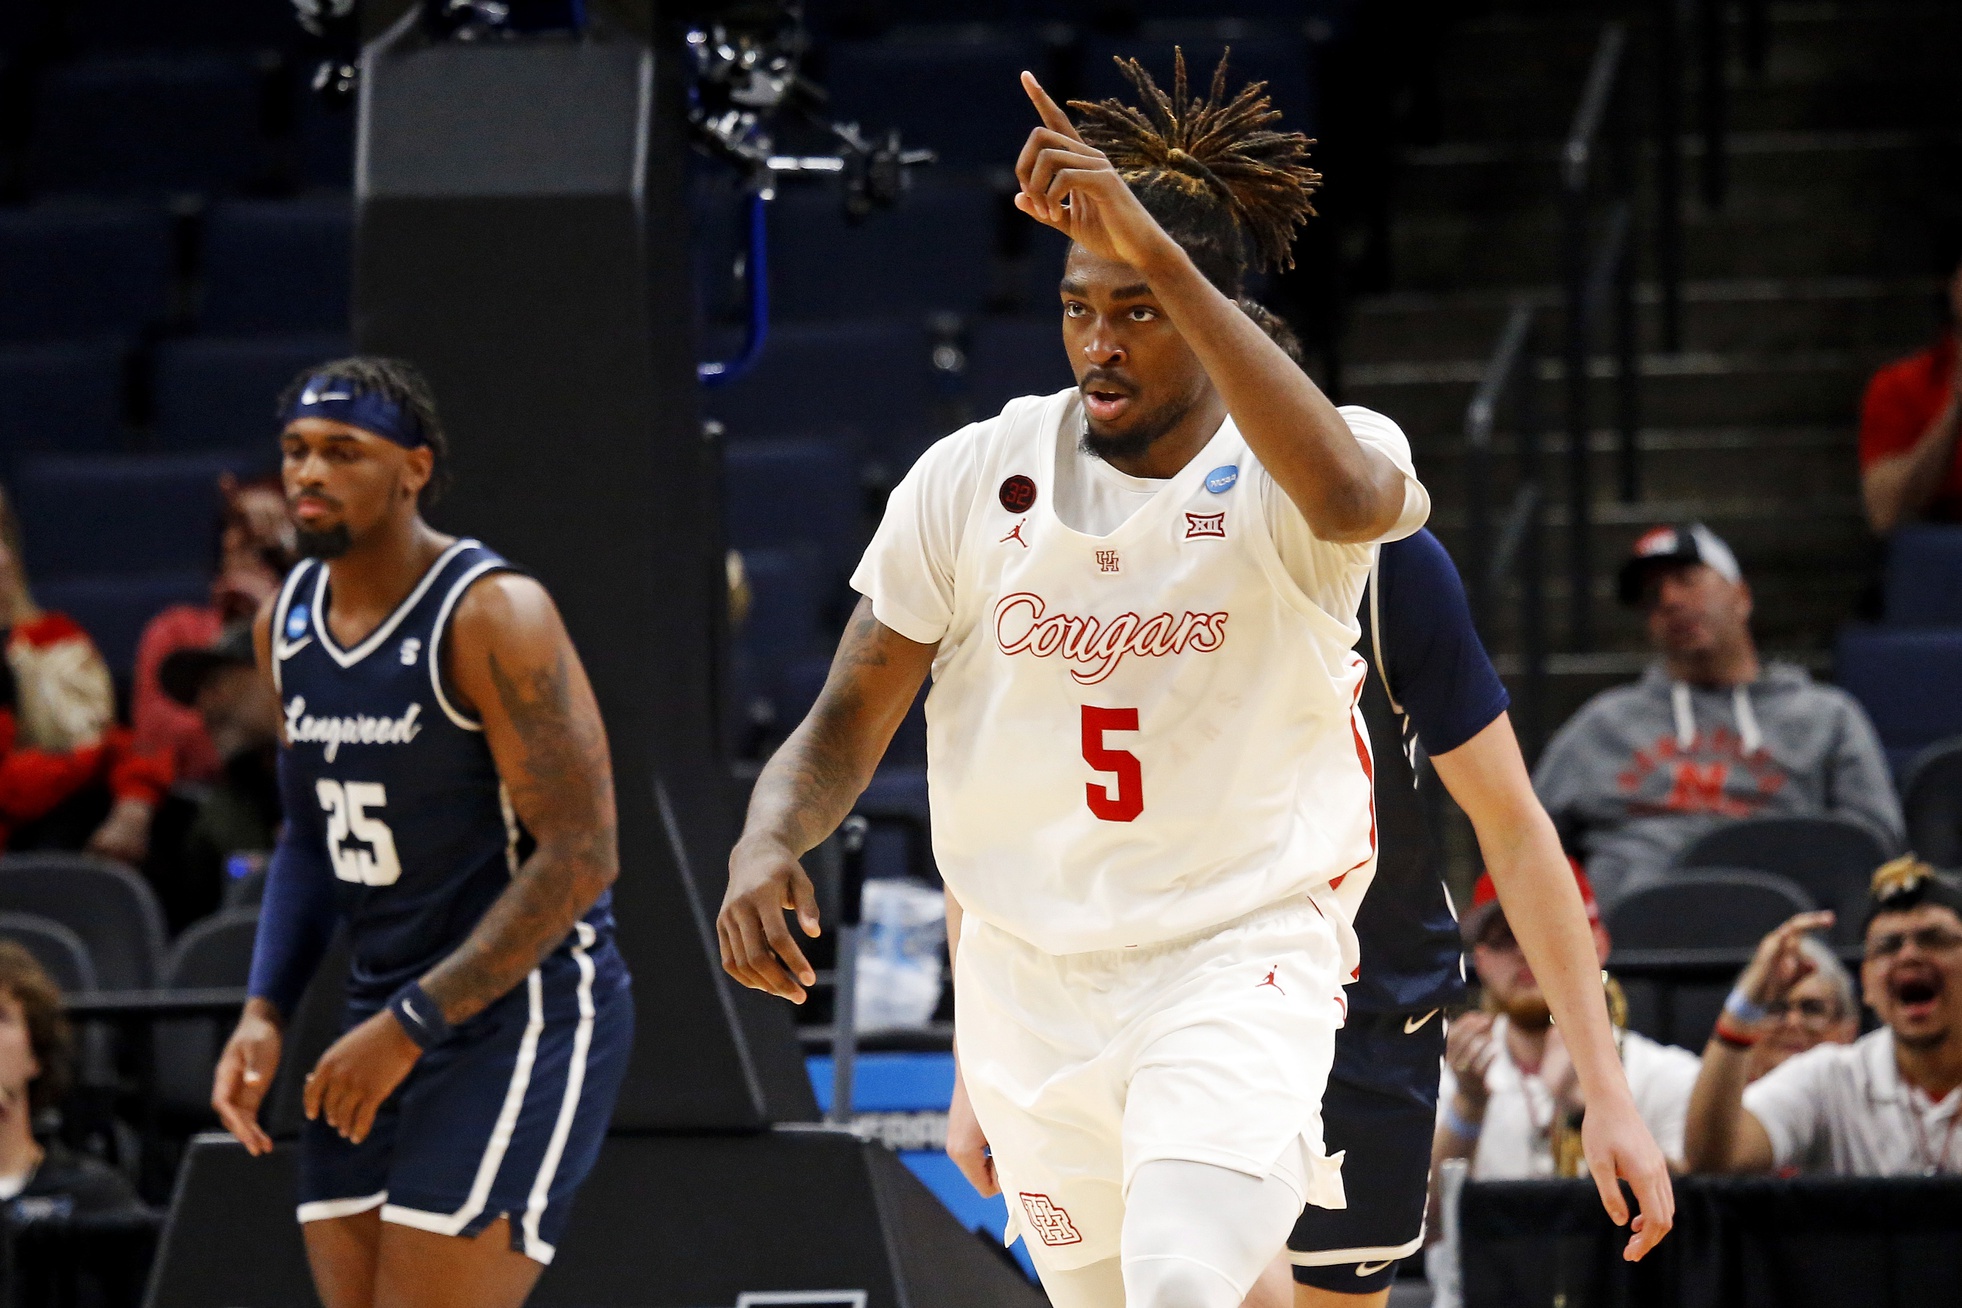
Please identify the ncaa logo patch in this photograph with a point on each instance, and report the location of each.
(1050, 1219)
(1221, 479)
(296, 622)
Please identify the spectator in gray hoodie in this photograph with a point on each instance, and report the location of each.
(1708, 735)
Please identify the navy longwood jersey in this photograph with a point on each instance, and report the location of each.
(1431, 686)
(408, 805)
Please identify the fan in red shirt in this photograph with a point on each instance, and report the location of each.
(1910, 463)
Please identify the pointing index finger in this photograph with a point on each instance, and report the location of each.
(1052, 117)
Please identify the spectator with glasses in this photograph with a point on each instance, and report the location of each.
(1887, 1104)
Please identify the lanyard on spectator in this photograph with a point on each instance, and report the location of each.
(1931, 1165)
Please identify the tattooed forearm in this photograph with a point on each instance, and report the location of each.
(561, 785)
(809, 785)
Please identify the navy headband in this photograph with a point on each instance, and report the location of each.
(337, 398)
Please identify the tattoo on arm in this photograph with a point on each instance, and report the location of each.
(562, 786)
(810, 784)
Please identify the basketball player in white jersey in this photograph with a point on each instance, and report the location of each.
(1150, 790)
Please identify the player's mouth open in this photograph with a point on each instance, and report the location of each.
(1105, 405)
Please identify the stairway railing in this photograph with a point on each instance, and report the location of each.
(1598, 174)
(1510, 387)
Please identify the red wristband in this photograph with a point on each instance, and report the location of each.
(1730, 1034)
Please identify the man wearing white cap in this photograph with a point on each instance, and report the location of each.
(1709, 734)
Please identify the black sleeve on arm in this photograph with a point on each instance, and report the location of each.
(1438, 669)
(297, 916)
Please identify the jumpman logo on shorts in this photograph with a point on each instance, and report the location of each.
(1270, 981)
(1015, 535)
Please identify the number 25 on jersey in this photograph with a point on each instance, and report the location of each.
(347, 805)
(1124, 801)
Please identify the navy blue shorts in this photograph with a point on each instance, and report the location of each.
(1381, 1108)
(506, 1117)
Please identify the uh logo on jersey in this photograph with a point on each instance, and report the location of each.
(1024, 625)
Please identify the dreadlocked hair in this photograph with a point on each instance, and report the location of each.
(400, 382)
(1215, 174)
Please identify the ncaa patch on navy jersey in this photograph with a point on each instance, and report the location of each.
(296, 622)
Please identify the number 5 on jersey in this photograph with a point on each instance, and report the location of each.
(1126, 801)
(347, 805)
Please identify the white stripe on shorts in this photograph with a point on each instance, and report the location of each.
(1340, 1257)
(575, 1080)
(322, 1210)
(500, 1138)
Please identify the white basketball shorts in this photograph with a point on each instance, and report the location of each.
(1212, 1048)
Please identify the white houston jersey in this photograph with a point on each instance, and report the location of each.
(1137, 736)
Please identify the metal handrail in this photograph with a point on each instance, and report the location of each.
(1510, 381)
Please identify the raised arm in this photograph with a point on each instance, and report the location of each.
(806, 789)
(1345, 491)
(1487, 776)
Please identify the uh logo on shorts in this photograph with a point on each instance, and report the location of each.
(1051, 1221)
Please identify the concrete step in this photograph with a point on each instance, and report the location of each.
(1827, 66)
(1800, 463)
(1817, 387)
(1852, 313)
(1857, 169)
(1472, 247)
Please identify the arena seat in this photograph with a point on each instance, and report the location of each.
(788, 589)
(1924, 576)
(280, 266)
(58, 950)
(1830, 859)
(60, 399)
(110, 907)
(1013, 357)
(223, 392)
(1278, 55)
(83, 271)
(147, 124)
(216, 952)
(1931, 796)
(791, 492)
(179, 24)
(875, 375)
(935, 249)
(1715, 909)
(115, 609)
(90, 516)
(956, 92)
(1906, 680)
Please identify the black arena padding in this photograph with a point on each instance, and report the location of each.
(663, 1222)
(520, 235)
(1808, 1243)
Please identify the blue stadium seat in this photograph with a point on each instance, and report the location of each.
(1906, 681)
(60, 399)
(221, 393)
(326, 144)
(147, 123)
(788, 588)
(282, 266)
(1015, 356)
(126, 514)
(792, 492)
(1924, 577)
(82, 271)
(875, 376)
(954, 92)
(180, 24)
(935, 249)
(1278, 55)
(115, 609)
